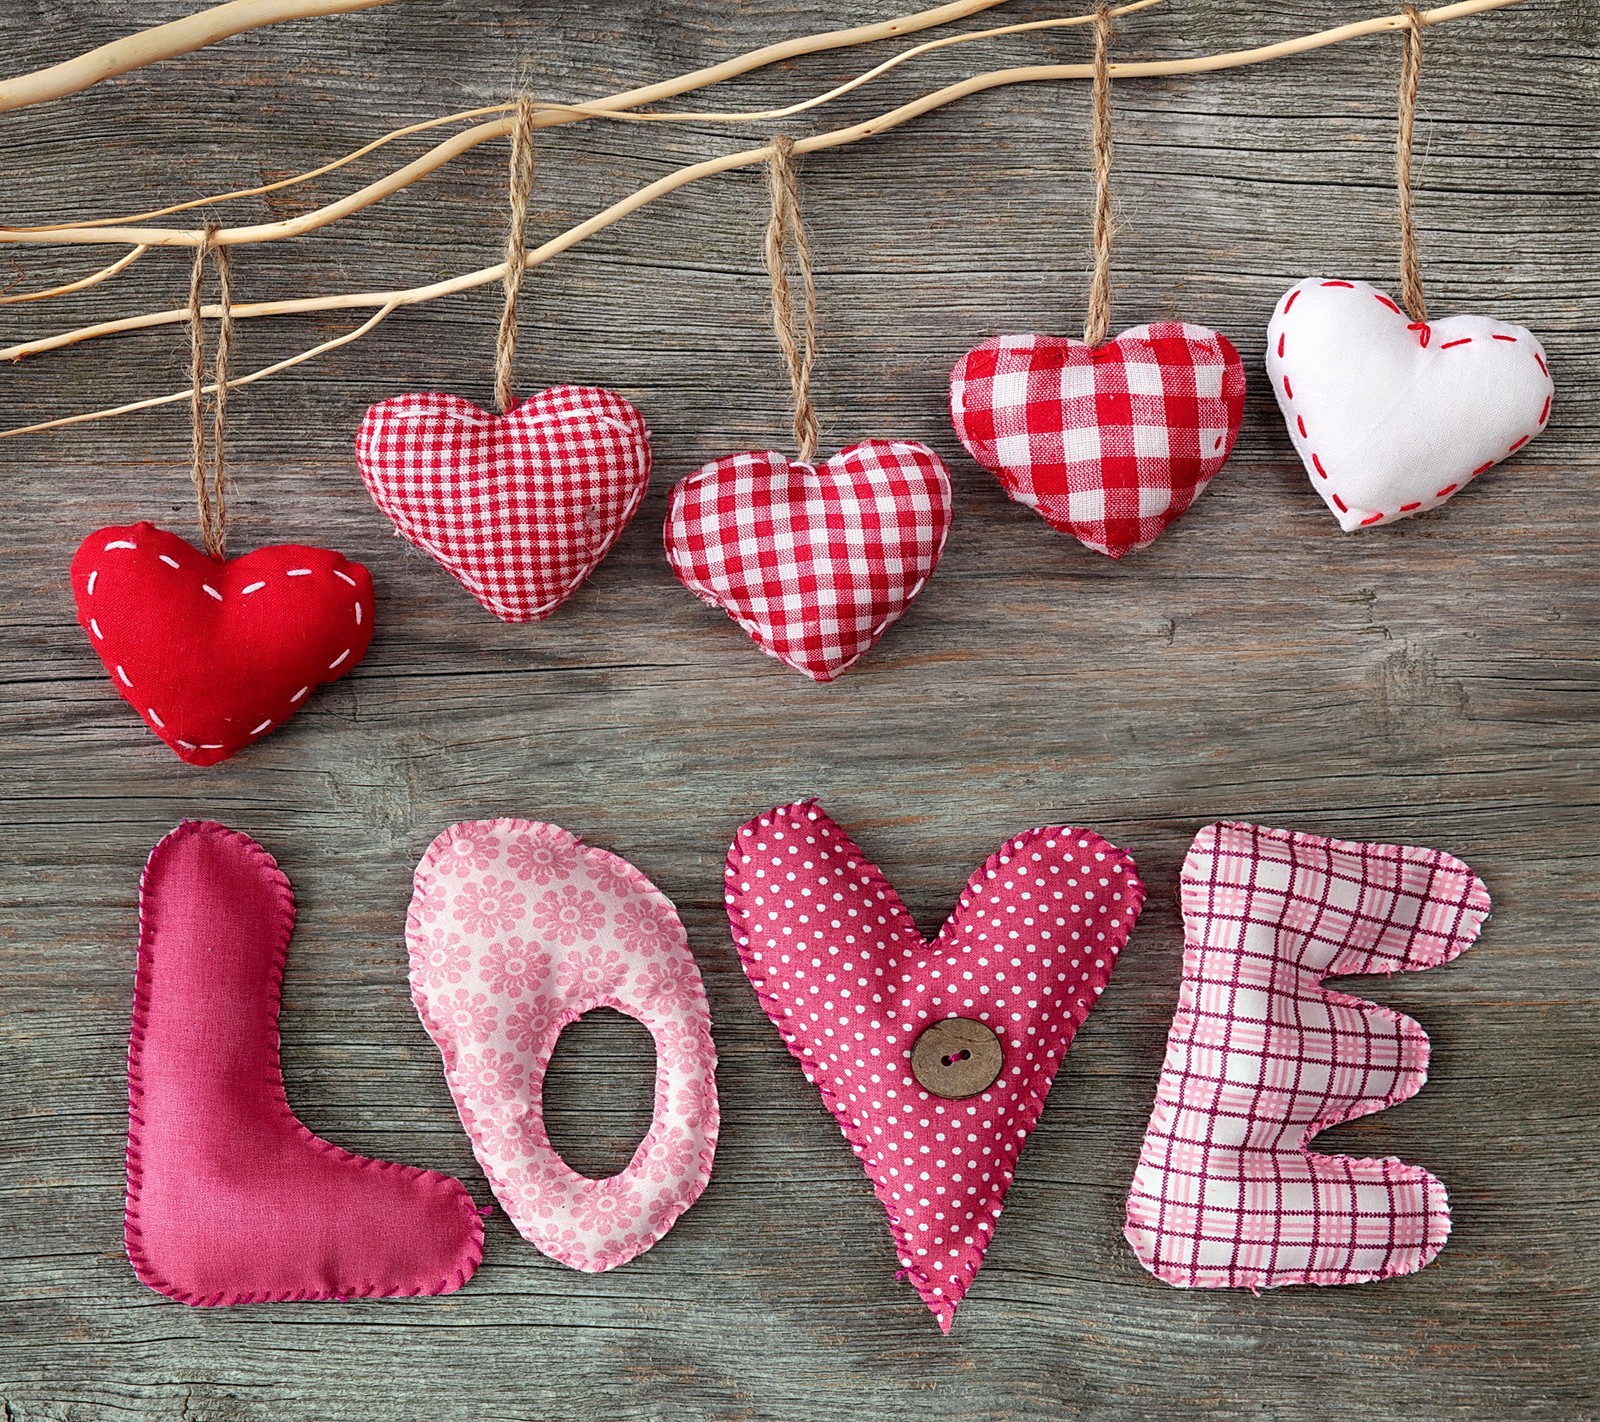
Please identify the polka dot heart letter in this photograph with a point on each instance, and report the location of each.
(857, 993)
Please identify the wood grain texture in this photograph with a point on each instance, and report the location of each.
(1432, 683)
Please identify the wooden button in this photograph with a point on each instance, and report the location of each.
(956, 1058)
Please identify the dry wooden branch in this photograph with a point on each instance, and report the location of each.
(166, 41)
(388, 301)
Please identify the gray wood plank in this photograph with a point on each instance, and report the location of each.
(1433, 683)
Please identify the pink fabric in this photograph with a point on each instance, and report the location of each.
(1261, 1057)
(814, 561)
(516, 929)
(520, 508)
(850, 984)
(1109, 443)
(230, 1198)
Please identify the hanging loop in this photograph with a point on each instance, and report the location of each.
(1097, 320)
(521, 193)
(1410, 69)
(785, 233)
(210, 475)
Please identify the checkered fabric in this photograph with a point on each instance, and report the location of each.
(1261, 1058)
(519, 508)
(813, 561)
(1109, 443)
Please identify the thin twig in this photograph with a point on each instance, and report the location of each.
(127, 259)
(463, 142)
(233, 382)
(389, 301)
(617, 105)
(166, 41)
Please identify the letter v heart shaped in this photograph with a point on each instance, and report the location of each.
(852, 987)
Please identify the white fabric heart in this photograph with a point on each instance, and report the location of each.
(1392, 416)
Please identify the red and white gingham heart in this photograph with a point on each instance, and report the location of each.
(520, 508)
(850, 985)
(1109, 443)
(813, 561)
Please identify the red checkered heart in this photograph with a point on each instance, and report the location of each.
(813, 561)
(520, 507)
(1109, 443)
(870, 1009)
(216, 654)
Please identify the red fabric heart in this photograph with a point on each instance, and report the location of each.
(216, 654)
(813, 561)
(520, 508)
(1109, 443)
(850, 985)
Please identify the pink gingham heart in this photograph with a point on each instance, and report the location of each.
(814, 561)
(851, 985)
(1391, 416)
(520, 508)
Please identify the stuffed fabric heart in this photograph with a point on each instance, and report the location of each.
(214, 655)
(1109, 443)
(815, 562)
(857, 995)
(519, 508)
(1392, 416)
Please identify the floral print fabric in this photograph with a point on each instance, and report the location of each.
(516, 929)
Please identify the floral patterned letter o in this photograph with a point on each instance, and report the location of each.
(516, 929)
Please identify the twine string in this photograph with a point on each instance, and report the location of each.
(1097, 321)
(521, 193)
(1410, 70)
(210, 474)
(786, 233)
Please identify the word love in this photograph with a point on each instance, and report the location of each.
(935, 1056)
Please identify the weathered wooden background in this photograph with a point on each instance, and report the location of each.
(1434, 682)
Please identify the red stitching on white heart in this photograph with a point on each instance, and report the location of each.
(1426, 334)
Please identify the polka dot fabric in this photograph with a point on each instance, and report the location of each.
(850, 984)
